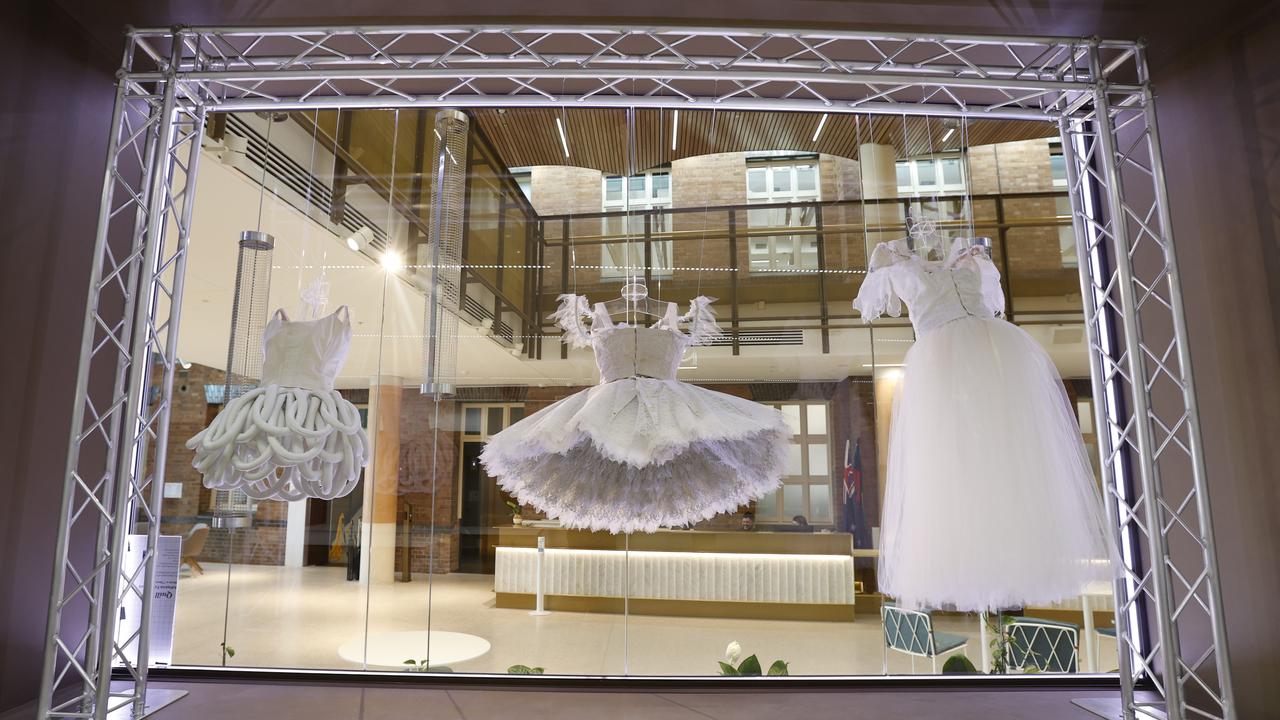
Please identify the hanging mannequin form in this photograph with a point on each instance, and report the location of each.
(641, 450)
(294, 436)
(963, 526)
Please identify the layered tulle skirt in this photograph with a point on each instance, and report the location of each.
(990, 501)
(279, 443)
(638, 454)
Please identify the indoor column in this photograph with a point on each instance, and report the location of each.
(880, 181)
(382, 479)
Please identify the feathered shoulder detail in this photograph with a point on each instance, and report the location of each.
(703, 328)
(569, 316)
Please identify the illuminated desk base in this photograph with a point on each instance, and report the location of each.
(693, 584)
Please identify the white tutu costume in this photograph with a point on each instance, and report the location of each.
(990, 498)
(293, 436)
(641, 450)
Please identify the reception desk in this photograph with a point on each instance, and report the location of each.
(786, 576)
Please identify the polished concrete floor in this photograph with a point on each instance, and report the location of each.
(279, 617)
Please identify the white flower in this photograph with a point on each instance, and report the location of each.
(732, 651)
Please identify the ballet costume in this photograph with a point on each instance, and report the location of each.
(641, 450)
(294, 436)
(990, 499)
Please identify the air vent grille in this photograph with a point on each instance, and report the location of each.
(760, 338)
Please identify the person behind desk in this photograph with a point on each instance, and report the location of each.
(801, 524)
(748, 521)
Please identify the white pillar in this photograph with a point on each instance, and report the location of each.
(381, 482)
(879, 181)
(295, 534)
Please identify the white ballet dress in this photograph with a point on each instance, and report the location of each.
(293, 436)
(641, 450)
(990, 499)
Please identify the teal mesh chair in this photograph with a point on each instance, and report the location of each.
(911, 632)
(1048, 646)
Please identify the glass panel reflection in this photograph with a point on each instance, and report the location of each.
(429, 565)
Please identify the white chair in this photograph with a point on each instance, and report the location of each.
(911, 632)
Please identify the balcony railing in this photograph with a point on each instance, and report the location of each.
(718, 250)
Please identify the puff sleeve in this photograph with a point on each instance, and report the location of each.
(877, 295)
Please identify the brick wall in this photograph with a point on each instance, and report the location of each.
(260, 544)
(429, 452)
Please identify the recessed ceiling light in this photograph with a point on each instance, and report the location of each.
(821, 122)
(563, 142)
(675, 127)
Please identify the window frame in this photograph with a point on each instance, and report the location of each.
(915, 189)
(802, 256)
(806, 479)
(612, 268)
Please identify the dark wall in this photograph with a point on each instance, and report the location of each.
(56, 99)
(1216, 72)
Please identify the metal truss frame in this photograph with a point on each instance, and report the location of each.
(1169, 612)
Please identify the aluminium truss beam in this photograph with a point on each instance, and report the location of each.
(1096, 90)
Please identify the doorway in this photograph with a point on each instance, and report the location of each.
(482, 504)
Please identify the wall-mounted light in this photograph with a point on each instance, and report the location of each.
(675, 127)
(360, 239)
(564, 143)
(821, 123)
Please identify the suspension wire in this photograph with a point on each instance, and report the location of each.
(262, 182)
(866, 239)
(911, 212)
(315, 296)
(937, 186)
(706, 200)
(968, 185)
(231, 534)
(367, 520)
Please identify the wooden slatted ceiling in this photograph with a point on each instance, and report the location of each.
(598, 137)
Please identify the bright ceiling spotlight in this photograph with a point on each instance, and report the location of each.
(675, 127)
(360, 239)
(391, 261)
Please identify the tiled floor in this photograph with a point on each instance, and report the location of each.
(219, 701)
(298, 617)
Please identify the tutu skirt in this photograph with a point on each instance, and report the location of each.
(638, 454)
(990, 499)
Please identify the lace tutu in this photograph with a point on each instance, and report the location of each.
(641, 450)
(990, 499)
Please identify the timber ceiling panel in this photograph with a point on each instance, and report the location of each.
(598, 137)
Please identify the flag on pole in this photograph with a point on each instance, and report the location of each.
(855, 521)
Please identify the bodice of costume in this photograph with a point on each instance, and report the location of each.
(305, 354)
(966, 284)
(624, 350)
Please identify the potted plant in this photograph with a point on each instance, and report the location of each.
(751, 666)
(516, 520)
